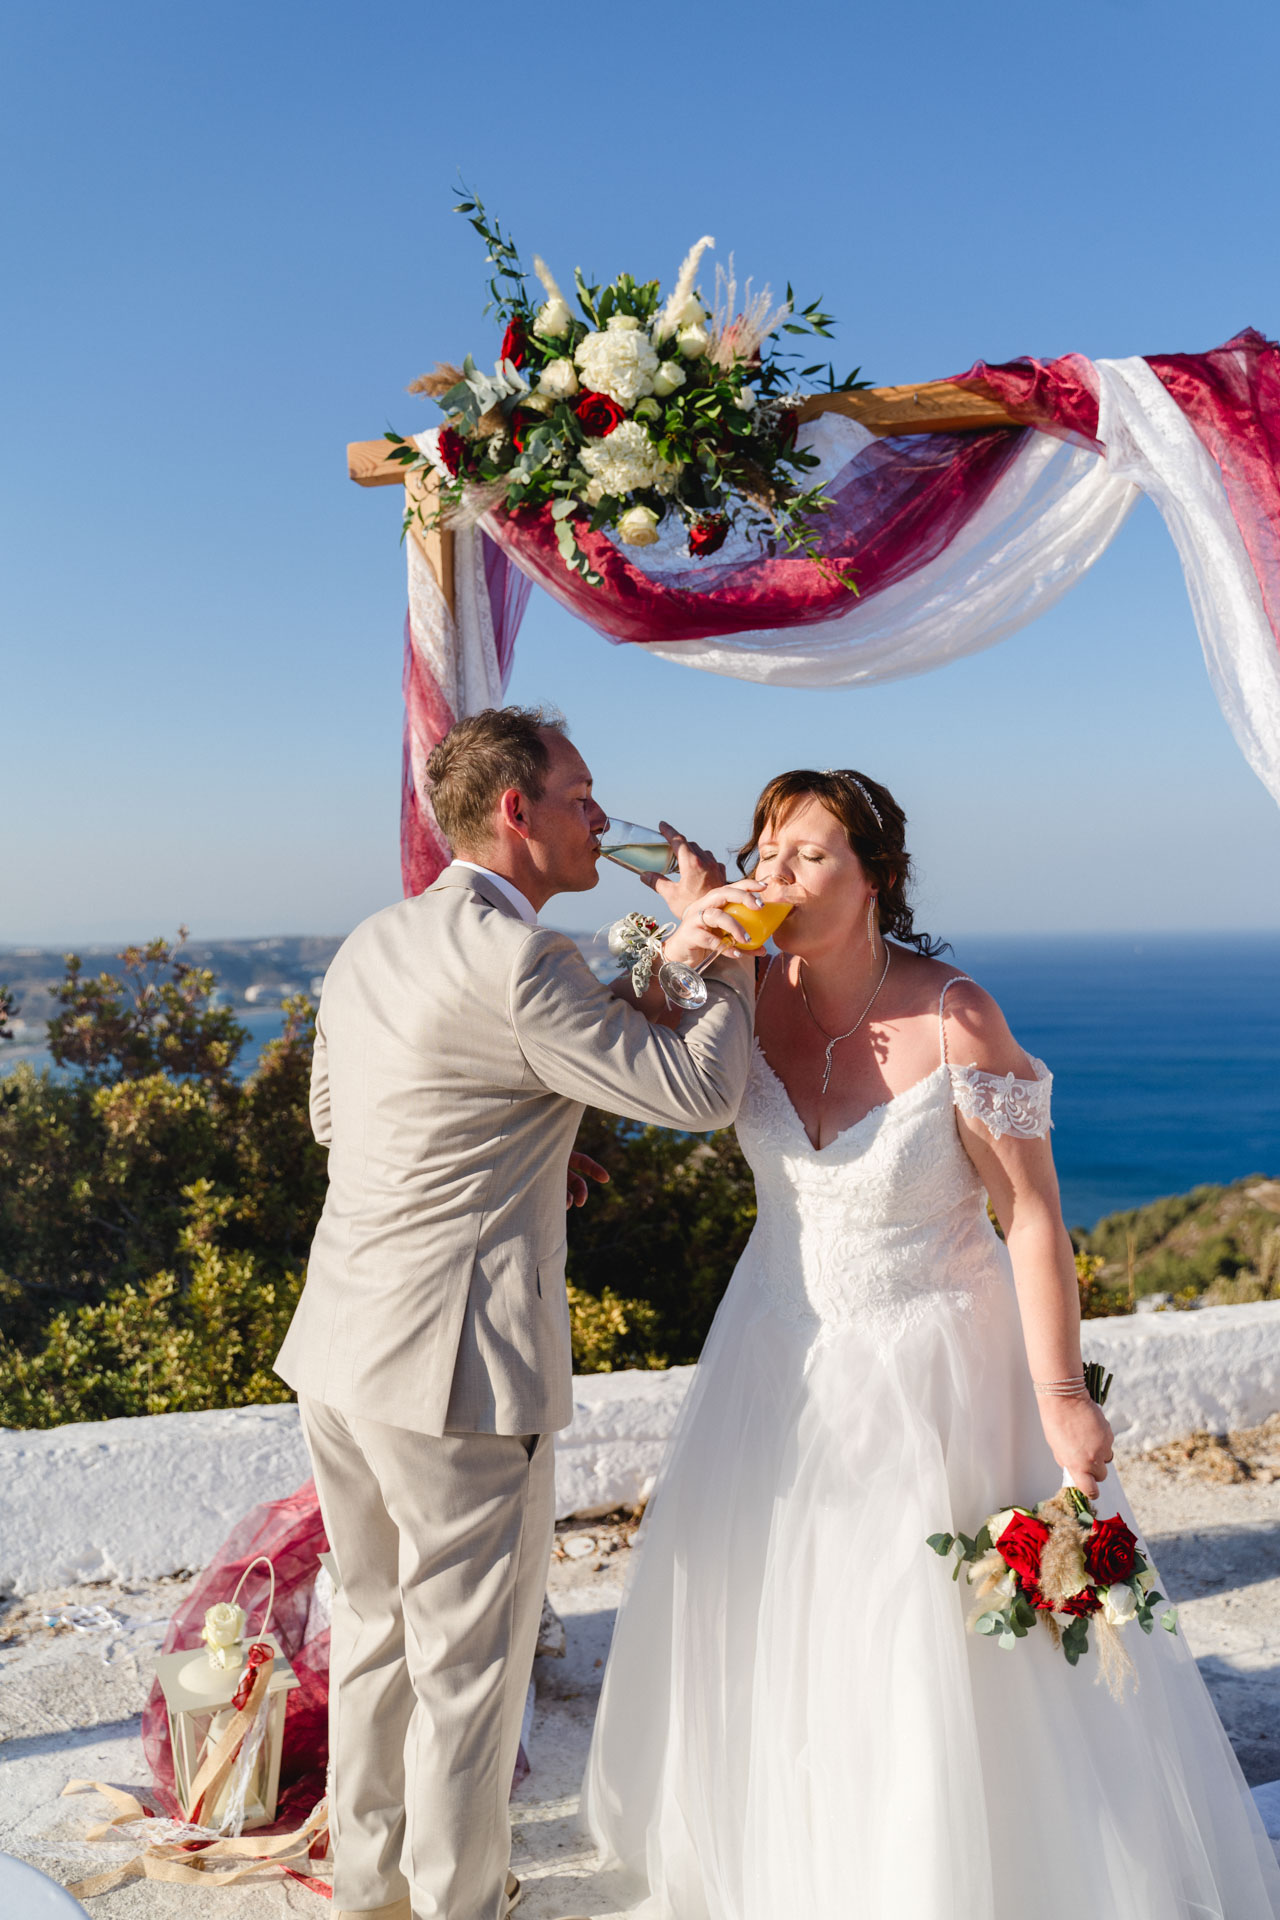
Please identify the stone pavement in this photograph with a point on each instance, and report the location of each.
(70, 1699)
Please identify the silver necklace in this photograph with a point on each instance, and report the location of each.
(833, 1039)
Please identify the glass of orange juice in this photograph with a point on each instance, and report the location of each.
(758, 923)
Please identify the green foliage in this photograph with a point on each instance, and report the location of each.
(1216, 1244)
(161, 1346)
(610, 1332)
(159, 1018)
(667, 1231)
(8, 1007)
(154, 1212)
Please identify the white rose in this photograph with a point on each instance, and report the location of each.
(638, 527)
(622, 323)
(1147, 1579)
(593, 493)
(693, 342)
(747, 399)
(223, 1624)
(668, 377)
(692, 313)
(559, 380)
(1119, 1603)
(997, 1522)
(647, 409)
(553, 319)
(537, 402)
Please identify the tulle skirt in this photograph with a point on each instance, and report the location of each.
(795, 1721)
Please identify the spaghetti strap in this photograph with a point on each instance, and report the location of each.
(762, 979)
(942, 1025)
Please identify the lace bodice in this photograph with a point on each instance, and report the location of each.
(888, 1222)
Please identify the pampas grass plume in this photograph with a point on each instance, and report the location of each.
(547, 278)
(665, 325)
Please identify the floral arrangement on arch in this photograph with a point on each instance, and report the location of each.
(627, 411)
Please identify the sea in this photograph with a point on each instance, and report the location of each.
(1165, 1051)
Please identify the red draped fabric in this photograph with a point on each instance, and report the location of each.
(900, 505)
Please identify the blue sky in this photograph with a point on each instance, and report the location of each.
(230, 248)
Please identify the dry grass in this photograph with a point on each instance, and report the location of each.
(1225, 1459)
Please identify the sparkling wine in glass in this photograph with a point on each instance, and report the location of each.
(639, 849)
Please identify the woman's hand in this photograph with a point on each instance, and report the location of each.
(706, 928)
(1080, 1436)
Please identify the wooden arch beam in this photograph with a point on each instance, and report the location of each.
(936, 406)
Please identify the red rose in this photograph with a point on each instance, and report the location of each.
(788, 425)
(1109, 1551)
(451, 447)
(1021, 1545)
(706, 536)
(513, 342)
(598, 415)
(1080, 1604)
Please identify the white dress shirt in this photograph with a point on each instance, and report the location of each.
(508, 891)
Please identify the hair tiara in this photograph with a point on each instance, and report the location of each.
(843, 773)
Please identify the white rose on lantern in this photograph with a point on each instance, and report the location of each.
(668, 377)
(638, 527)
(553, 319)
(558, 381)
(620, 362)
(693, 342)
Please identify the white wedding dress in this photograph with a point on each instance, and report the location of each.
(795, 1724)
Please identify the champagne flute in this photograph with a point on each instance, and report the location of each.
(640, 850)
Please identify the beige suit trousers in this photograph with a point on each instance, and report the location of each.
(442, 1546)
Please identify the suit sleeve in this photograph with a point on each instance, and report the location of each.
(580, 1040)
(321, 1124)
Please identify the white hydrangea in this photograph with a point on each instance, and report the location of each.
(627, 460)
(621, 362)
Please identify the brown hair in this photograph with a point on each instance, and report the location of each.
(479, 759)
(854, 799)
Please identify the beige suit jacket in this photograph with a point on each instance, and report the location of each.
(455, 1050)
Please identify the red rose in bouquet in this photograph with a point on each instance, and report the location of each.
(1110, 1551)
(451, 447)
(598, 415)
(1080, 1604)
(513, 342)
(1021, 1544)
(706, 536)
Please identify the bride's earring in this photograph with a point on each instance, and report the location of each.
(872, 917)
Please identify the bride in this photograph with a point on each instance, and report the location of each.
(794, 1720)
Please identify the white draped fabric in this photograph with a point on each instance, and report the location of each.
(1055, 508)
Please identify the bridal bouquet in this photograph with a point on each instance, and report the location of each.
(628, 411)
(1058, 1565)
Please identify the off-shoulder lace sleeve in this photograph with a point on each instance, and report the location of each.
(1003, 1103)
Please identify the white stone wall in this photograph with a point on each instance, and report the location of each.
(135, 1499)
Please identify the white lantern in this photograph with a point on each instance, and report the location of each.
(240, 1792)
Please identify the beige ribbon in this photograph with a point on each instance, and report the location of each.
(218, 1864)
(220, 1758)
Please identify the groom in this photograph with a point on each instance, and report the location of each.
(456, 1046)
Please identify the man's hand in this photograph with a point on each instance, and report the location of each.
(581, 1169)
(697, 872)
